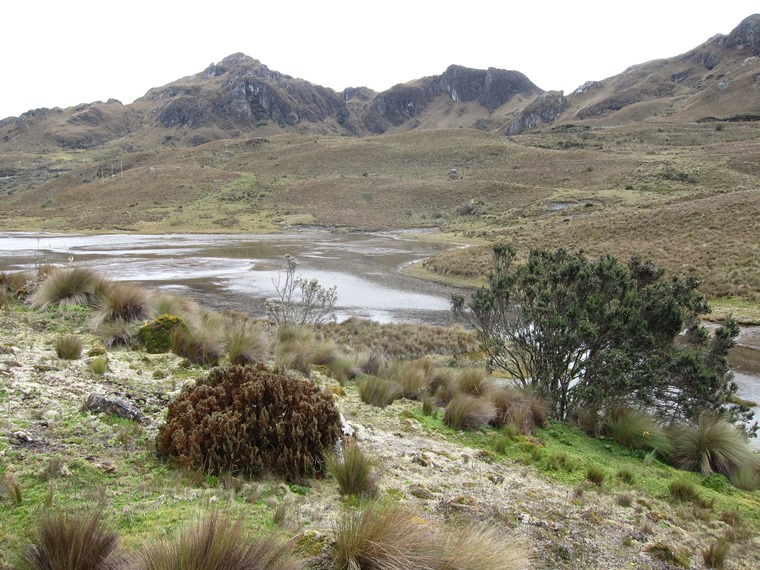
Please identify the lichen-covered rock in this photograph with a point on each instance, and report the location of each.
(115, 406)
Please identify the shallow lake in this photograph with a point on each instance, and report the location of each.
(239, 272)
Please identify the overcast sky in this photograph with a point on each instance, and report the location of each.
(59, 53)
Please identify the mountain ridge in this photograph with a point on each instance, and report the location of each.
(240, 95)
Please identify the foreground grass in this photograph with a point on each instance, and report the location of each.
(564, 453)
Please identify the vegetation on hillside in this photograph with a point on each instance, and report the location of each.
(438, 399)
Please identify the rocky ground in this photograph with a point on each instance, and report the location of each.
(435, 475)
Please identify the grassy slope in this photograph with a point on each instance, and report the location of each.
(67, 457)
(684, 195)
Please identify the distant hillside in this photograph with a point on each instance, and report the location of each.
(240, 96)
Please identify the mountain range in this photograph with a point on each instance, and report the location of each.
(716, 81)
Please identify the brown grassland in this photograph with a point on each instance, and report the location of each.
(684, 195)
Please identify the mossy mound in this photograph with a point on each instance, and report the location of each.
(156, 335)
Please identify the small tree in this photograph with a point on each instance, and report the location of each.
(593, 334)
(300, 301)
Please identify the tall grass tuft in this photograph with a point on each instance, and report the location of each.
(596, 475)
(636, 429)
(99, 365)
(72, 541)
(715, 555)
(473, 381)
(378, 392)
(247, 343)
(216, 543)
(468, 412)
(299, 349)
(412, 376)
(475, 547)
(520, 408)
(68, 347)
(76, 286)
(127, 302)
(383, 537)
(203, 346)
(712, 446)
(355, 473)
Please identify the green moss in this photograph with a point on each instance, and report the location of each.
(156, 335)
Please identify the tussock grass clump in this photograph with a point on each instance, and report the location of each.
(299, 349)
(520, 408)
(12, 490)
(72, 541)
(383, 537)
(15, 283)
(216, 543)
(390, 538)
(76, 286)
(355, 473)
(684, 492)
(378, 392)
(203, 346)
(477, 547)
(400, 340)
(626, 476)
(247, 343)
(473, 381)
(179, 306)
(121, 301)
(636, 429)
(412, 377)
(713, 446)
(595, 475)
(68, 347)
(468, 412)
(716, 554)
(99, 365)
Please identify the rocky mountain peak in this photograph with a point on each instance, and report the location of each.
(746, 35)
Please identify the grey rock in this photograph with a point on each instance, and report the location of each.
(112, 405)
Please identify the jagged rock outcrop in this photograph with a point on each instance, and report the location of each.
(242, 93)
(491, 88)
(545, 109)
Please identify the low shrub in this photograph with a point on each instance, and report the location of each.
(216, 543)
(378, 392)
(72, 541)
(468, 412)
(250, 420)
(68, 347)
(355, 473)
(76, 286)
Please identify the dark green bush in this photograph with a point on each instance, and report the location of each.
(251, 420)
(157, 334)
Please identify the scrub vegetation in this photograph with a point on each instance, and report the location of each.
(282, 446)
